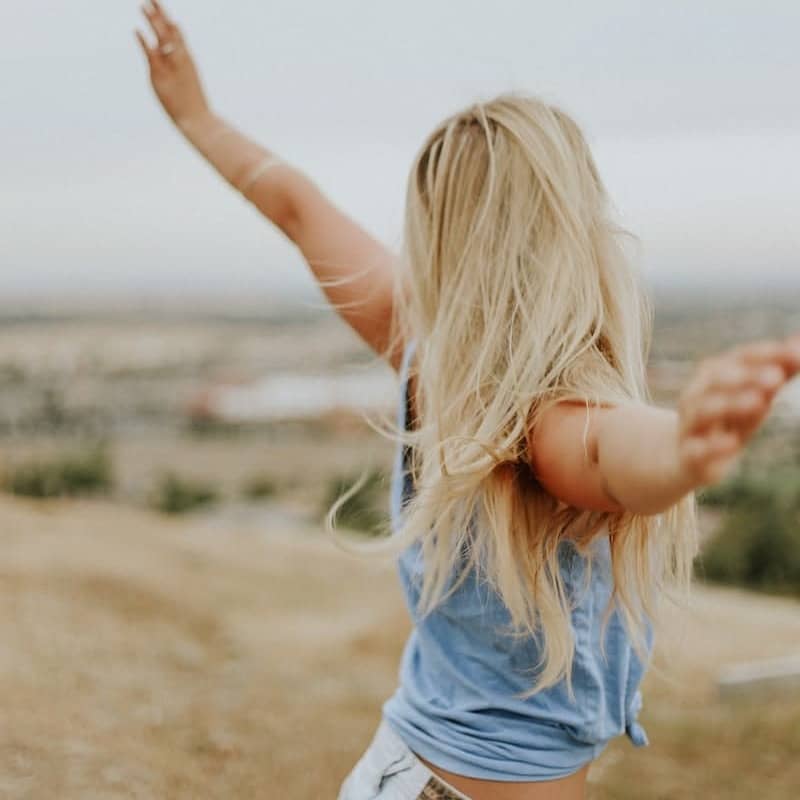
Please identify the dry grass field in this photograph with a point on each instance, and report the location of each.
(145, 657)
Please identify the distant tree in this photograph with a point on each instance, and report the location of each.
(176, 495)
(76, 473)
(758, 543)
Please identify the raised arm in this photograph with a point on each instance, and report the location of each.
(643, 458)
(355, 271)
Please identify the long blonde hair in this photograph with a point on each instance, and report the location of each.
(519, 294)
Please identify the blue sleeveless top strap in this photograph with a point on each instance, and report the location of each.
(457, 704)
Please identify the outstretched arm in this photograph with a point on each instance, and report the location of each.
(355, 271)
(644, 459)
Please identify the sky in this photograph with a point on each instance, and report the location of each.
(690, 108)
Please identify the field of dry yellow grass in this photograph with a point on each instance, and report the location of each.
(150, 658)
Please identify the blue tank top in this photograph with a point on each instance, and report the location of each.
(457, 704)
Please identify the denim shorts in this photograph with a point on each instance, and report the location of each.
(389, 770)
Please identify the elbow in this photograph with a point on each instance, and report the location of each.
(641, 505)
(612, 501)
(609, 499)
(276, 200)
(565, 457)
(641, 502)
(288, 221)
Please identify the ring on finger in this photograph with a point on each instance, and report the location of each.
(168, 48)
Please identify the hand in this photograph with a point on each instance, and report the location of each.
(726, 401)
(172, 70)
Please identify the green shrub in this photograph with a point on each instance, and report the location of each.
(259, 487)
(742, 489)
(758, 543)
(365, 509)
(755, 487)
(176, 495)
(11, 373)
(70, 474)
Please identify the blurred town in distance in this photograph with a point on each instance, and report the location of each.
(130, 368)
(228, 396)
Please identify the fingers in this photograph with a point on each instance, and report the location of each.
(710, 460)
(728, 399)
(764, 365)
(167, 32)
(169, 41)
(730, 385)
(163, 14)
(709, 457)
(734, 391)
(155, 24)
(148, 51)
(155, 58)
(784, 353)
(734, 410)
(733, 374)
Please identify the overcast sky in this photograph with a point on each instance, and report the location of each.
(691, 109)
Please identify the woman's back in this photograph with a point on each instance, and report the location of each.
(458, 705)
(514, 267)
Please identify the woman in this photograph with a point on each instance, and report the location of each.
(540, 505)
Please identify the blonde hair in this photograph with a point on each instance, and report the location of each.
(519, 294)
